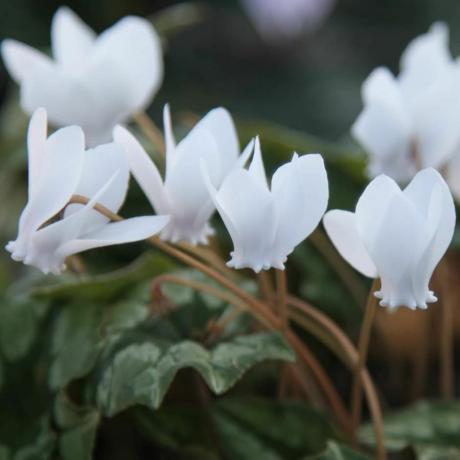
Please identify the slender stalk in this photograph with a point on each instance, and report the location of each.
(151, 131)
(363, 346)
(281, 294)
(349, 356)
(447, 333)
(266, 291)
(261, 310)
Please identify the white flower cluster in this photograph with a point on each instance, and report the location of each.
(95, 83)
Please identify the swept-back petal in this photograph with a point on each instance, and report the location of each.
(425, 60)
(61, 173)
(254, 223)
(220, 124)
(36, 140)
(126, 231)
(256, 167)
(71, 39)
(372, 207)
(134, 48)
(22, 60)
(429, 192)
(300, 193)
(341, 229)
(143, 169)
(436, 121)
(170, 142)
(395, 249)
(382, 131)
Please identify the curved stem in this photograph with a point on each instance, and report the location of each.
(350, 358)
(363, 346)
(281, 294)
(266, 291)
(446, 350)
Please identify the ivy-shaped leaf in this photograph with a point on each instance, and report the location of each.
(141, 373)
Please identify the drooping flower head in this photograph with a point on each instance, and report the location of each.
(93, 82)
(267, 223)
(50, 230)
(182, 193)
(411, 121)
(397, 235)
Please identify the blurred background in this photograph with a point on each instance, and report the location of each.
(309, 81)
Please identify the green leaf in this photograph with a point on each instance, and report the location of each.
(81, 332)
(290, 429)
(141, 373)
(19, 322)
(336, 451)
(240, 444)
(79, 426)
(109, 286)
(432, 428)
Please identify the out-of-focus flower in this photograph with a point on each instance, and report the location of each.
(411, 121)
(397, 235)
(59, 167)
(93, 82)
(267, 224)
(279, 20)
(182, 194)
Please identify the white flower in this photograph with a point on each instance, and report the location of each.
(398, 236)
(93, 82)
(278, 20)
(266, 225)
(59, 167)
(412, 121)
(182, 194)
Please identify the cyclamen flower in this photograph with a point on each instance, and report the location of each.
(267, 224)
(411, 121)
(51, 230)
(93, 82)
(397, 235)
(182, 194)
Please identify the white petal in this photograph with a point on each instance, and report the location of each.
(429, 192)
(341, 229)
(126, 231)
(300, 192)
(22, 61)
(256, 167)
(382, 87)
(100, 165)
(453, 175)
(36, 140)
(254, 221)
(436, 121)
(64, 154)
(170, 142)
(401, 237)
(143, 169)
(382, 132)
(372, 206)
(220, 124)
(425, 60)
(71, 39)
(134, 48)
(184, 183)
